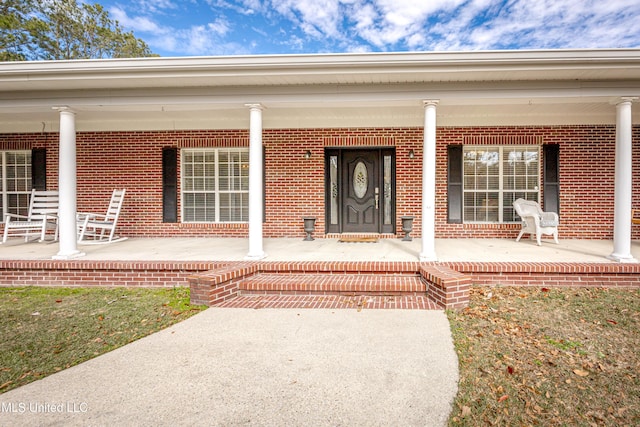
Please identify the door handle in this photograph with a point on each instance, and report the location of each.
(377, 196)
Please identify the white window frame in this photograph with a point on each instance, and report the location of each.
(216, 191)
(4, 184)
(530, 194)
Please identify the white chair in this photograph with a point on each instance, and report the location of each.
(100, 228)
(535, 221)
(42, 216)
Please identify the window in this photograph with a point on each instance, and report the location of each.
(493, 177)
(15, 173)
(215, 185)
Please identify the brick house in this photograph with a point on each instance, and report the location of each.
(248, 146)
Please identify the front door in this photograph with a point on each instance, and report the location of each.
(360, 191)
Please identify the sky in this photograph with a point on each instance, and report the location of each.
(248, 27)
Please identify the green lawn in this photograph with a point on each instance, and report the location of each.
(45, 330)
(528, 356)
(542, 357)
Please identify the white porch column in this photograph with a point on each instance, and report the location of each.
(428, 252)
(256, 187)
(67, 186)
(623, 181)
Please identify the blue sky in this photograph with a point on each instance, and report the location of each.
(240, 27)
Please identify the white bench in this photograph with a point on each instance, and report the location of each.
(42, 216)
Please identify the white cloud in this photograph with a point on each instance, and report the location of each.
(365, 25)
(316, 18)
(199, 40)
(495, 24)
(155, 6)
(207, 39)
(220, 26)
(378, 22)
(248, 7)
(388, 22)
(138, 23)
(555, 24)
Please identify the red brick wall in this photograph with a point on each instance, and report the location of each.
(295, 186)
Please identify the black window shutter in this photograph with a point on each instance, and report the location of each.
(39, 169)
(170, 184)
(454, 184)
(551, 178)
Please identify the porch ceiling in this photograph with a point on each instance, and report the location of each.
(348, 90)
(176, 117)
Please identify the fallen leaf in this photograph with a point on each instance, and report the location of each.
(510, 370)
(613, 322)
(58, 300)
(503, 398)
(466, 411)
(580, 372)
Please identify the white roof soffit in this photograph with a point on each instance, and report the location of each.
(322, 69)
(327, 90)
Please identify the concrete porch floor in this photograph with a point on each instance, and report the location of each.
(295, 249)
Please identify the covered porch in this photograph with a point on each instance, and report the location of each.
(136, 124)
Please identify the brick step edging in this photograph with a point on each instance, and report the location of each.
(403, 302)
(332, 283)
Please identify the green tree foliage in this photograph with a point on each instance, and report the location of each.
(63, 29)
(14, 36)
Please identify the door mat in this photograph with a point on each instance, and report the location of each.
(358, 239)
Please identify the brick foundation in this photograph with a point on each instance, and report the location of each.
(446, 284)
(606, 275)
(80, 273)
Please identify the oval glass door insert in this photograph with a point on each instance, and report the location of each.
(360, 180)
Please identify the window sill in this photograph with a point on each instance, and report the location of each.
(213, 225)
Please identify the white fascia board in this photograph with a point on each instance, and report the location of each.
(274, 70)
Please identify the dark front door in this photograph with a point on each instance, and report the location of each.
(360, 190)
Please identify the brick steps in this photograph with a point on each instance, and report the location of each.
(378, 284)
(332, 284)
(360, 302)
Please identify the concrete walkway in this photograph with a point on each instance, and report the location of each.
(268, 367)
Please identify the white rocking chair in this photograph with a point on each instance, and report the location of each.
(535, 221)
(42, 216)
(100, 228)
